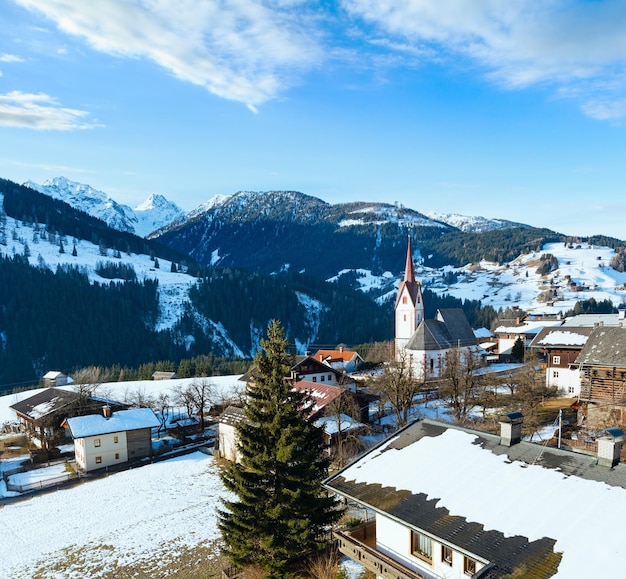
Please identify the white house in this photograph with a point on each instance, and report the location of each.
(526, 331)
(438, 500)
(110, 439)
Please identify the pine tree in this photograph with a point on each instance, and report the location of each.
(280, 515)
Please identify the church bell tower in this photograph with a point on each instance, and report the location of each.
(409, 309)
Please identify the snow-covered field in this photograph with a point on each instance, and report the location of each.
(146, 514)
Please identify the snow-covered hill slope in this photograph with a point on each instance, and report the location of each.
(154, 213)
(473, 224)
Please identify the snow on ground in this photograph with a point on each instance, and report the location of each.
(144, 513)
(222, 388)
(519, 284)
(173, 287)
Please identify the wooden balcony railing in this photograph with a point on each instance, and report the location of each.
(359, 545)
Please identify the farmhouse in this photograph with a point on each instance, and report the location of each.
(438, 500)
(42, 414)
(112, 438)
(561, 347)
(603, 377)
(314, 370)
(340, 359)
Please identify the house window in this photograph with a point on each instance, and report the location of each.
(314, 378)
(446, 555)
(422, 546)
(117, 456)
(570, 389)
(555, 374)
(96, 442)
(98, 459)
(556, 360)
(469, 566)
(116, 439)
(323, 378)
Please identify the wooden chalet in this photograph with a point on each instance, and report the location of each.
(603, 377)
(41, 416)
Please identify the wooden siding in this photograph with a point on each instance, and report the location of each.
(139, 443)
(603, 384)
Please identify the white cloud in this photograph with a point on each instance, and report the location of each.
(244, 50)
(560, 43)
(39, 111)
(10, 58)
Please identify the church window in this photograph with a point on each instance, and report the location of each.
(405, 317)
(404, 300)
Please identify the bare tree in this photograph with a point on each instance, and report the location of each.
(347, 441)
(397, 388)
(195, 397)
(462, 383)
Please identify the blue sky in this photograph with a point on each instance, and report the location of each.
(513, 110)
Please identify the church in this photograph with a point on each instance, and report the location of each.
(426, 344)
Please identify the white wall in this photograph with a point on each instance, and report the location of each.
(394, 540)
(112, 450)
(565, 379)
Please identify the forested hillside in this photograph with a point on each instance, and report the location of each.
(58, 319)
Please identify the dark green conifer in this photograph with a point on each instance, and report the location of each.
(280, 515)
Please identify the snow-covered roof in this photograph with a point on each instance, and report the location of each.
(330, 426)
(124, 420)
(483, 333)
(565, 337)
(517, 507)
(53, 374)
(527, 327)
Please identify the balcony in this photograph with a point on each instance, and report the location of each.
(360, 545)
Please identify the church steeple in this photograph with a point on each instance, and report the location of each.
(409, 271)
(409, 309)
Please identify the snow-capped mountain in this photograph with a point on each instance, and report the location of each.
(154, 213)
(473, 224)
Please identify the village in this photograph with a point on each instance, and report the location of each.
(65, 433)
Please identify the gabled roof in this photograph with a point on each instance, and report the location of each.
(313, 365)
(606, 346)
(46, 402)
(321, 394)
(573, 338)
(450, 329)
(527, 328)
(595, 320)
(336, 355)
(232, 416)
(525, 508)
(122, 421)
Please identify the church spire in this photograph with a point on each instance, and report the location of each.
(409, 271)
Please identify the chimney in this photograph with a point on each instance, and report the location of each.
(511, 428)
(610, 447)
(106, 411)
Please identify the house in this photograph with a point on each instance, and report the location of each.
(313, 369)
(227, 433)
(330, 417)
(340, 359)
(561, 346)
(507, 335)
(54, 378)
(602, 364)
(112, 438)
(164, 376)
(593, 320)
(42, 414)
(439, 500)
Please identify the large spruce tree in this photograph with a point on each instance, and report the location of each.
(280, 515)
